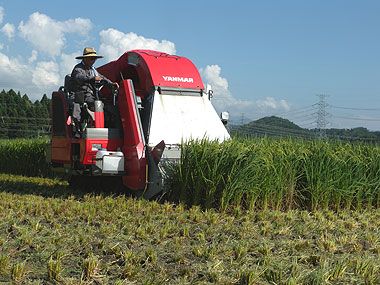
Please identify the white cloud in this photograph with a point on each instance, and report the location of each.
(68, 61)
(30, 78)
(1, 14)
(33, 57)
(115, 43)
(212, 75)
(9, 30)
(12, 72)
(48, 35)
(224, 101)
(271, 103)
(46, 75)
(79, 26)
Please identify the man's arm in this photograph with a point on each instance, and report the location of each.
(106, 79)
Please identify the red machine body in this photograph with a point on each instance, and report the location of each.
(139, 73)
(99, 119)
(149, 69)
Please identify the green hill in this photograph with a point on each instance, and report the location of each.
(276, 122)
(272, 126)
(275, 126)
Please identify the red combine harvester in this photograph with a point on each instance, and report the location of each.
(135, 133)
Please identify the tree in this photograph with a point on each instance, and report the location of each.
(19, 117)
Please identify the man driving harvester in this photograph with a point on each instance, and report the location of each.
(83, 78)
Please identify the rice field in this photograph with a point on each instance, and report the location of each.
(24, 157)
(258, 211)
(264, 173)
(53, 234)
(255, 174)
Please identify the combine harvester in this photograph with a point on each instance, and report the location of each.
(134, 133)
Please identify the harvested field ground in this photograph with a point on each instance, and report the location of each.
(52, 234)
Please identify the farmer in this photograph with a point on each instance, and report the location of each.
(83, 78)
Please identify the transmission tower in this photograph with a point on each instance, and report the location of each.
(242, 119)
(322, 116)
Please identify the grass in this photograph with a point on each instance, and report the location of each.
(51, 234)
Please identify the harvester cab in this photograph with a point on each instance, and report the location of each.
(137, 132)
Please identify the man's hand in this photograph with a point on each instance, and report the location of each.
(97, 78)
(115, 84)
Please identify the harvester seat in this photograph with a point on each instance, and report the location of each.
(66, 90)
(68, 84)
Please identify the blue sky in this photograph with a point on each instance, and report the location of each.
(261, 58)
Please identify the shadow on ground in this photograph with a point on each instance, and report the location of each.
(45, 187)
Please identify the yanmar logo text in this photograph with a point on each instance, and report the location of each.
(178, 79)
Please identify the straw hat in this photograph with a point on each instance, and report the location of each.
(89, 52)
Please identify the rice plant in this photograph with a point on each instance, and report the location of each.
(255, 173)
(90, 267)
(54, 268)
(24, 157)
(18, 271)
(4, 262)
(280, 174)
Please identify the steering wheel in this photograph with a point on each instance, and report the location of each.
(99, 84)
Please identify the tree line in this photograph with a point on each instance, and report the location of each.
(22, 118)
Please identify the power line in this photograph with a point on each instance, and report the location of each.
(25, 131)
(295, 110)
(356, 119)
(25, 118)
(271, 130)
(305, 116)
(355, 109)
(308, 121)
